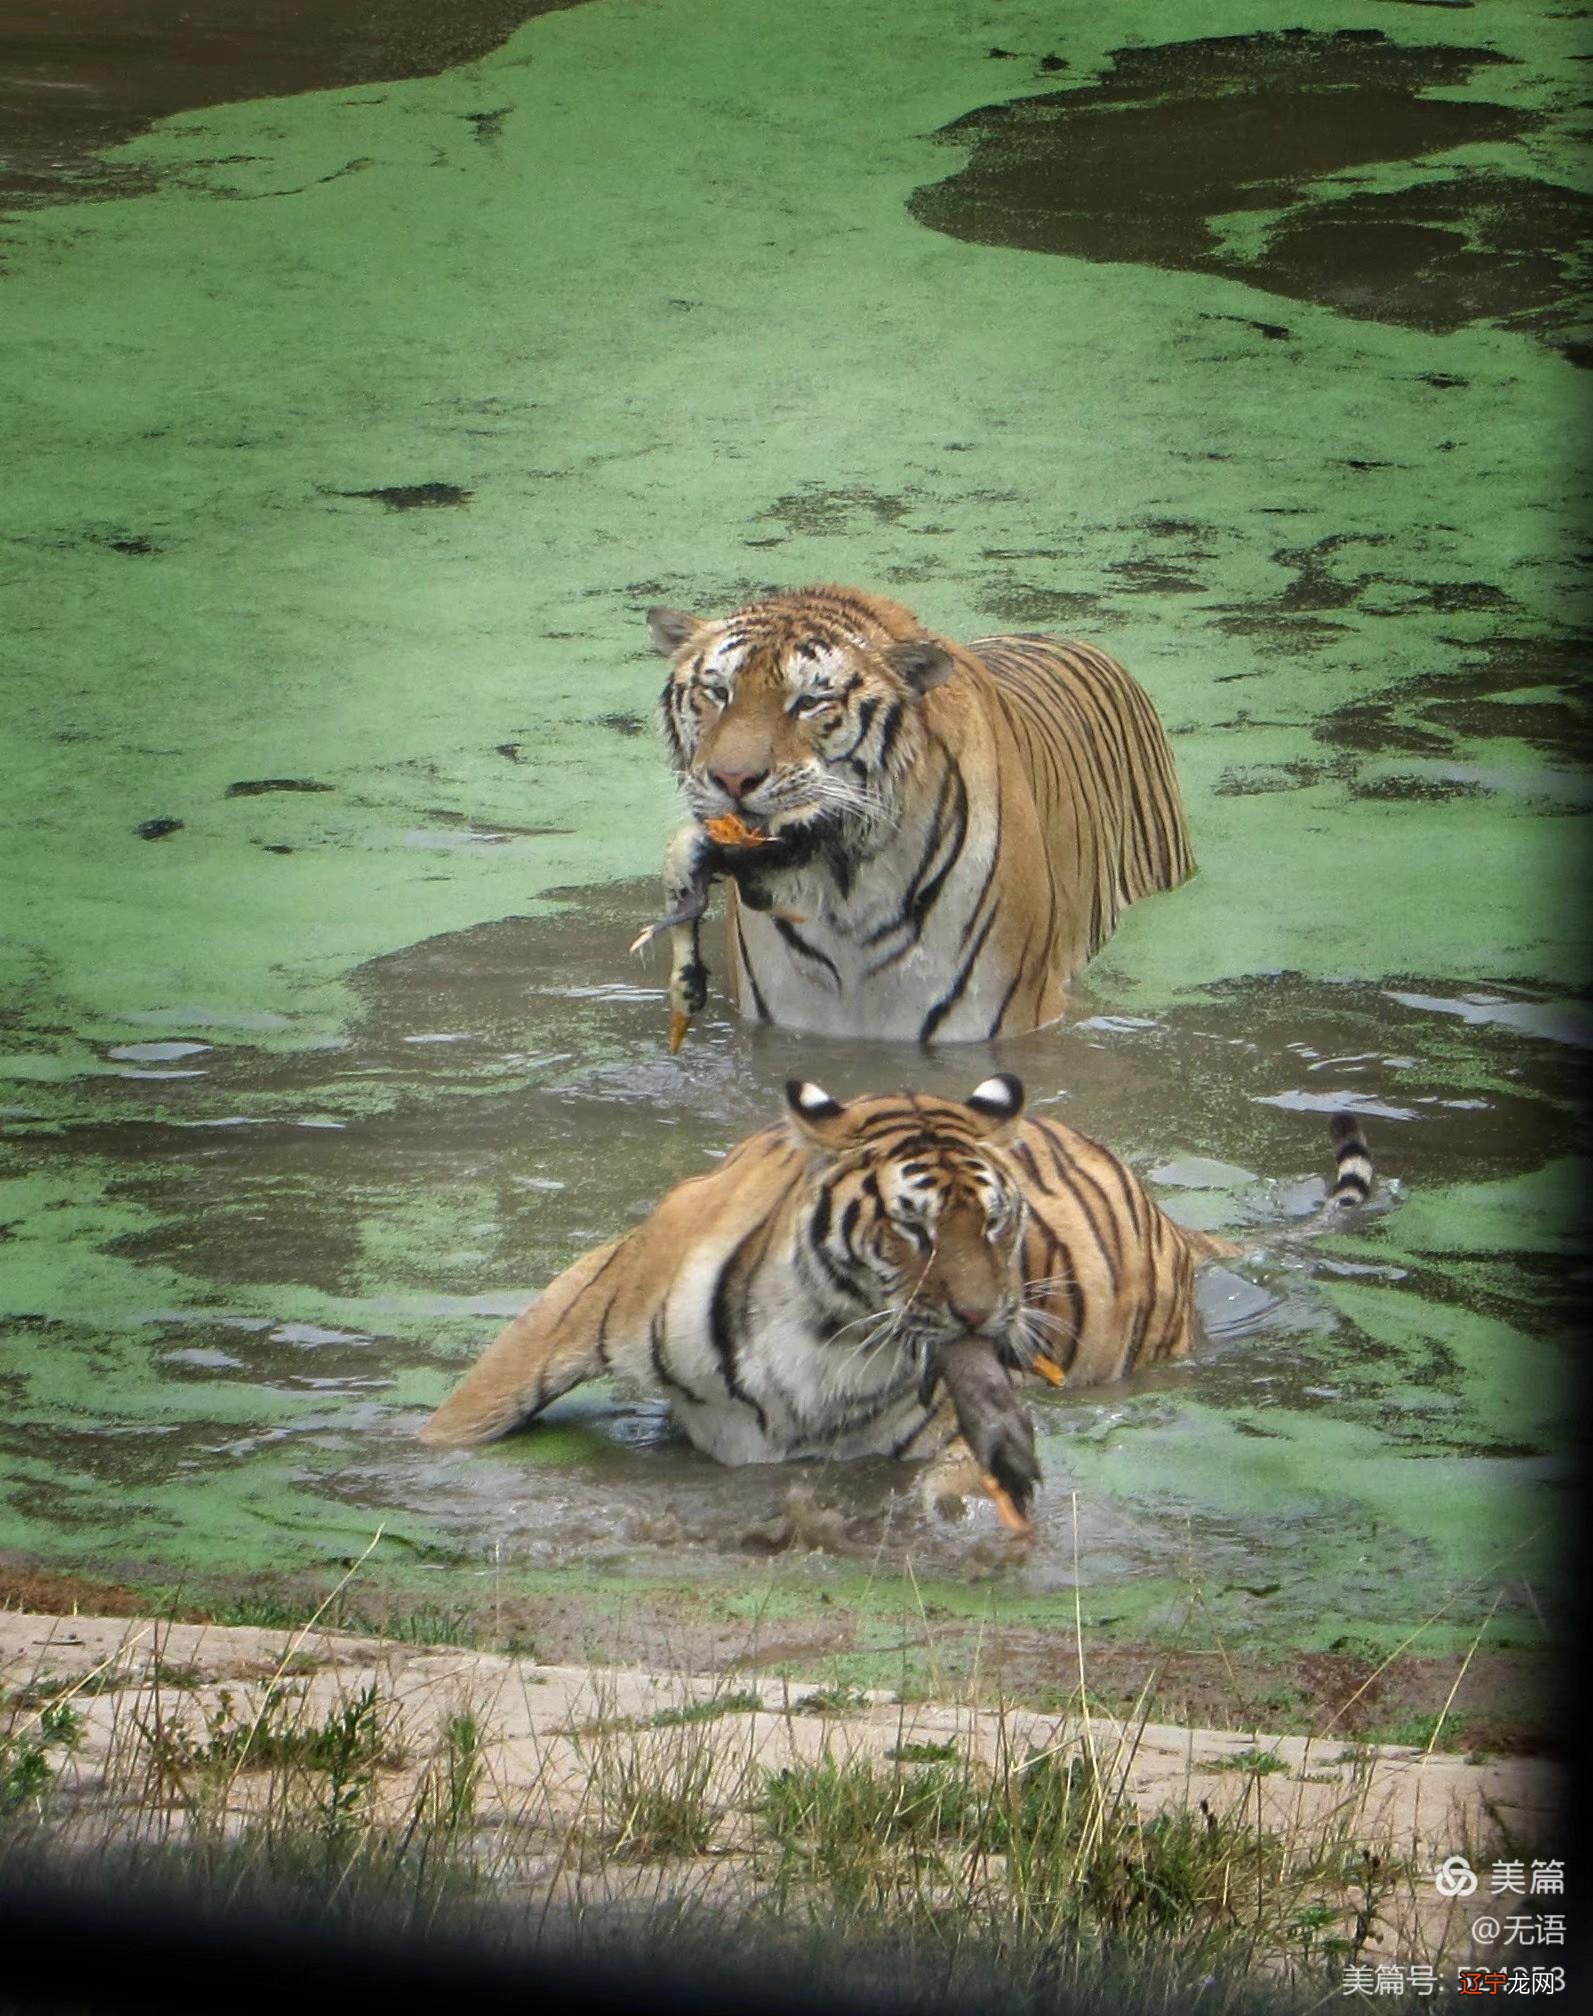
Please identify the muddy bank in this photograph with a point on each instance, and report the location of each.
(596, 1797)
(1506, 1703)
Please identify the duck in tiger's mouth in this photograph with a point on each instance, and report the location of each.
(779, 812)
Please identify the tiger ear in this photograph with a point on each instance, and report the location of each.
(814, 1113)
(670, 628)
(920, 661)
(999, 1103)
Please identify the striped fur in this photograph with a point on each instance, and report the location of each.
(790, 1302)
(963, 826)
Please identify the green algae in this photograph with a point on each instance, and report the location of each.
(214, 366)
(1533, 1213)
(673, 336)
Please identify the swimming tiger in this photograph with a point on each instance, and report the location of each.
(931, 839)
(796, 1300)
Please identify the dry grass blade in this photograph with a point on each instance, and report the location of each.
(968, 1847)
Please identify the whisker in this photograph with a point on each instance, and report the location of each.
(868, 1316)
(1042, 1322)
(897, 1317)
(1048, 1320)
(857, 1356)
(1044, 1284)
(838, 795)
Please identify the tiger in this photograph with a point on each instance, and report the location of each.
(945, 834)
(794, 1301)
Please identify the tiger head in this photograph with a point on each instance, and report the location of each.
(798, 712)
(915, 1209)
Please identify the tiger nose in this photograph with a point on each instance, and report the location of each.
(978, 1313)
(737, 783)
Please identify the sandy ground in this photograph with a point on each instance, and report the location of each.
(547, 1726)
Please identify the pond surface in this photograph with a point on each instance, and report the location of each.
(349, 449)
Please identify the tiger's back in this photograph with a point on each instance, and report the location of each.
(1114, 820)
(1109, 1278)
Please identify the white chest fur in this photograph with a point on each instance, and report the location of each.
(877, 957)
(759, 1374)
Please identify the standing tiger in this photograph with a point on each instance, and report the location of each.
(931, 839)
(798, 1299)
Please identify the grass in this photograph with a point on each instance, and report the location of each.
(1256, 1763)
(706, 1708)
(659, 1784)
(1038, 1871)
(296, 1602)
(27, 1767)
(947, 1866)
(835, 1700)
(1416, 1732)
(426, 1624)
(986, 1865)
(653, 1794)
(259, 1797)
(276, 1736)
(103, 1681)
(455, 1787)
(742, 1703)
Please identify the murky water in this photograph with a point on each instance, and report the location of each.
(370, 424)
(285, 1257)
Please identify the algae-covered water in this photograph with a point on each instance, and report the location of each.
(349, 434)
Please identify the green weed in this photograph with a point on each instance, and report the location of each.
(837, 1700)
(26, 1770)
(347, 1746)
(707, 1711)
(455, 1782)
(1255, 1763)
(104, 1680)
(653, 1787)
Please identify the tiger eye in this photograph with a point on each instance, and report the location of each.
(897, 1247)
